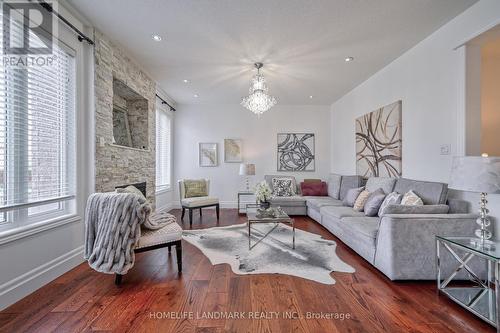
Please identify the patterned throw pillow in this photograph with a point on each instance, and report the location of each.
(134, 190)
(359, 204)
(393, 198)
(195, 188)
(282, 187)
(411, 199)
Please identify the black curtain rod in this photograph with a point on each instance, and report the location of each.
(81, 36)
(165, 102)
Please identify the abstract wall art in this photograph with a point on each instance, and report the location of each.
(233, 150)
(296, 152)
(379, 142)
(208, 154)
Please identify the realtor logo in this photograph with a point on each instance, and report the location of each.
(27, 28)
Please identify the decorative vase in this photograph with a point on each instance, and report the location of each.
(265, 204)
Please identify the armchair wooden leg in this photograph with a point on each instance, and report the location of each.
(201, 214)
(178, 253)
(169, 249)
(183, 211)
(118, 279)
(217, 211)
(190, 217)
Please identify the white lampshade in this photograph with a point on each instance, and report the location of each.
(476, 174)
(247, 169)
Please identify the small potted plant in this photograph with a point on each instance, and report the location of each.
(263, 194)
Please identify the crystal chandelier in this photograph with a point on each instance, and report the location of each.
(258, 101)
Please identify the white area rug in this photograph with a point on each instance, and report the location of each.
(314, 257)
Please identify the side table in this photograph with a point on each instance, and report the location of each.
(480, 297)
(240, 194)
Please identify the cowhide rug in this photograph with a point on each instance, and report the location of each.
(314, 258)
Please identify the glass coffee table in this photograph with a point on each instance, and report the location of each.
(482, 295)
(254, 217)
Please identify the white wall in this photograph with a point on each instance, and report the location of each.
(429, 79)
(213, 123)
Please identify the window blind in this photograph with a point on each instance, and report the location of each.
(37, 126)
(163, 134)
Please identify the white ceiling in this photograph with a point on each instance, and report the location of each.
(303, 43)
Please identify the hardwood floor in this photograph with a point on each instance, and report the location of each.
(83, 300)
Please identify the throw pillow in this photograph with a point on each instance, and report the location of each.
(374, 202)
(195, 188)
(351, 196)
(411, 199)
(134, 190)
(424, 209)
(393, 198)
(314, 189)
(282, 187)
(359, 204)
(312, 180)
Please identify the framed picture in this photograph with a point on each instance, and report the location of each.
(233, 150)
(379, 142)
(296, 152)
(208, 156)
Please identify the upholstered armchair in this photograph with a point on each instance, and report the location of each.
(197, 201)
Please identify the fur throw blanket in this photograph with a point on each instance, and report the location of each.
(112, 229)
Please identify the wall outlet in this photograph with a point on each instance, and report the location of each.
(445, 149)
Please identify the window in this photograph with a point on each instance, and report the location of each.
(37, 135)
(163, 140)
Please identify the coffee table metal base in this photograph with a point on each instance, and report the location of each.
(276, 223)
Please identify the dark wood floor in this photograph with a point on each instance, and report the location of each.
(83, 300)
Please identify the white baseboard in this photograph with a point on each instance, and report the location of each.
(23, 285)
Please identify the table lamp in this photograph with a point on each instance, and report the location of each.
(479, 174)
(247, 169)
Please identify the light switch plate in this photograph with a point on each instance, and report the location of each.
(102, 141)
(445, 149)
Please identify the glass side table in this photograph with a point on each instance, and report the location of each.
(240, 194)
(481, 297)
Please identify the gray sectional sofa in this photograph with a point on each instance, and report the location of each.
(400, 244)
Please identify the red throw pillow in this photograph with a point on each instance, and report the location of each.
(314, 189)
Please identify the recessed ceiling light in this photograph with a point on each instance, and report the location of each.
(196, 96)
(348, 59)
(156, 38)
(185, 81)
(311, 97)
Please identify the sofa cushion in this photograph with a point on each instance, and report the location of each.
(374, 202)
(334, 182)
(313, 189)
(295, 200)
(367, 226)
(432, 193)
(411, 199)
(351, 196)
(339, 212)
(385, 183)
(349, 182)
(283, 187)
(318, 202)
(458, 206)
(269, 180)
(423, 209)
